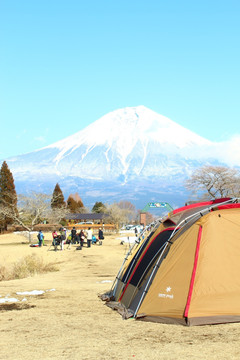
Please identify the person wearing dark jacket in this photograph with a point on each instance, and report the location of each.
(73, 235)
(82, 237)
(100, 234)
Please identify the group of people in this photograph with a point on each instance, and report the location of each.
(59, 239)
(76, 238)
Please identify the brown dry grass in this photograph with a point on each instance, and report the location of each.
(29, 265)
(73, 323)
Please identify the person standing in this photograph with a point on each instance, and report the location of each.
(82, 237)
(73, 235)
(89, 237)
(77, 239)
(54, 234)
(100, 235)
(40, 238)
(63, 237)
(136, 231)
(54, 242)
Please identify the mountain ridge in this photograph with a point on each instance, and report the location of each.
(128, 146)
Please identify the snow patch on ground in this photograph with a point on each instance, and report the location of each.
(33, 292)
(9, 299)
(6, 299)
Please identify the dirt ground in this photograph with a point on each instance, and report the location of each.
(69, 321)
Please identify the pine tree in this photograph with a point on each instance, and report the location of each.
(98, 207)
(8, 195)
(74, 203)
(57, 200)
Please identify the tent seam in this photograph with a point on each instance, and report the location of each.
(193, 273)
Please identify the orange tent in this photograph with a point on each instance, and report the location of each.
(146, 249)
(195, 278)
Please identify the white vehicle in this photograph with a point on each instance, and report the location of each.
(129, 227)
(87, 222)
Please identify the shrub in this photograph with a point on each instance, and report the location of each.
(4, 275)
(28, 266)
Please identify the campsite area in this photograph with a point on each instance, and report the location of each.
(67, 320)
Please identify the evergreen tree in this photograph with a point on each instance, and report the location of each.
(57, 200)
(8, 195)
(74, 203)
(98, 207)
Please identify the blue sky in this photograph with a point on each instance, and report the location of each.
(64, 64)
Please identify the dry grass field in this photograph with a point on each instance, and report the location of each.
(69, 321)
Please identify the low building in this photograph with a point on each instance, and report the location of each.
(95, 220)
(92, 217)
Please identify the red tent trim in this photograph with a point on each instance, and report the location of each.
(139, 261)
(204, 203)
(194, 272)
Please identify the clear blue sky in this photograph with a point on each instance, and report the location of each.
(64, 64)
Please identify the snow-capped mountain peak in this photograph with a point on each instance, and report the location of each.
(132, 148)
(123, 128)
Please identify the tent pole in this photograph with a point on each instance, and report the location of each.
(134, 260)
(145, 271)
(129, 270)
(120, 270)
(201, 212)
(149, 280)
(114, 285)
(125, 259)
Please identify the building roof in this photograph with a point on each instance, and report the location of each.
(91, 216)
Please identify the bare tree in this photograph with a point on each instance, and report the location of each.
(116, 214)
(57, 215)
(214, 182)
(32, 210)
(129, 209)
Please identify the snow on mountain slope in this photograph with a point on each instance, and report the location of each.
(124, 127)
(123, 144)
(129, 151)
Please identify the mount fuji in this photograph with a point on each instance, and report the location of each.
(132, 153)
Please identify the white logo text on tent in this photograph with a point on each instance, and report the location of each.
(166, 295)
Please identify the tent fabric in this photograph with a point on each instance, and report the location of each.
(152, 248)
(217, 283)
(173, 219)
(199, 280)
(129, 265)
(193, 272)
(198, 204)
(168, 293)
(195, 277)
(133, 261)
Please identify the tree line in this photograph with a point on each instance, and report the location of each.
(207, 182)
(34, 208)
